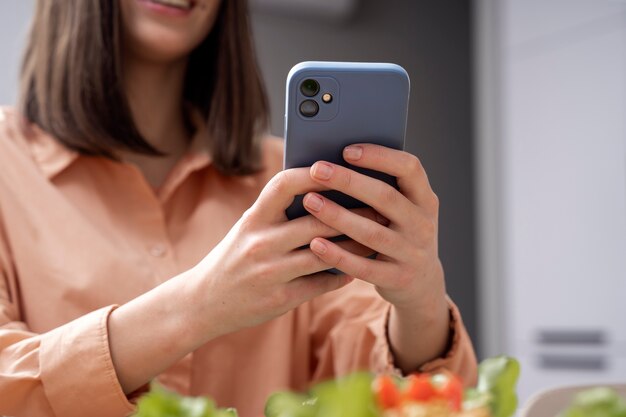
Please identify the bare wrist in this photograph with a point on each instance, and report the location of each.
(420, 334)
(198, 314)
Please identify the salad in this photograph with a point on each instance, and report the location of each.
(419, 395)
(364, 395)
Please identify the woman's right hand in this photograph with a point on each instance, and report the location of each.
(258, 271)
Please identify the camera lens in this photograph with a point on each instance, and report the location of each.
(309, 108)
(309, 87)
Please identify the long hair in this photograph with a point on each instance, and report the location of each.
(72, 83)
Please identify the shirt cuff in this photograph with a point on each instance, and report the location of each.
(382, 360)
(382, 355)
(77, 370)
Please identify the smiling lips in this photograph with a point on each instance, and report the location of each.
(178, 4)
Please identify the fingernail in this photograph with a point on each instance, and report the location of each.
(353, 152)
(313, 202)
(318, 247)
(322, 170)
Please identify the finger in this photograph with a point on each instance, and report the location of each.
(299, 232)
(280, 191)
(372, 271)
(406, 167)
(306, 288)
(384, 198)
(369, 233)
(304, 262)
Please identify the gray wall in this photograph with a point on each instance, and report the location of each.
(431, 40)
(14, 19)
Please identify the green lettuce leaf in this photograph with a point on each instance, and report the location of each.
(497, 377)
(162, 403)
(288, 404)
(349, 396)
(597, 402)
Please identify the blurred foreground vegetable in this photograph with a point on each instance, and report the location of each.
(350, 396)
(162, 403)
(363, 395)
(497, 377)
(419, 395)
(597, 402)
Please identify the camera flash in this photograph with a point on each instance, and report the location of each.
(327, 98)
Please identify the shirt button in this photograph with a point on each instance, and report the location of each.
(158, 251)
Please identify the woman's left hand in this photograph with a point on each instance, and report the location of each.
(407, 271)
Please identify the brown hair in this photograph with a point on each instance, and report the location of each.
(71, 83)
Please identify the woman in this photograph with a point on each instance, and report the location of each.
(143, 235)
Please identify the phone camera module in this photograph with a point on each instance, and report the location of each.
(309, 108)
(309, 87)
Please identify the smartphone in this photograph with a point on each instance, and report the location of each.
(330, 105)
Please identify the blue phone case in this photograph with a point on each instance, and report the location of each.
(369, 105)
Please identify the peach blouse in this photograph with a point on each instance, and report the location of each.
(80, 235)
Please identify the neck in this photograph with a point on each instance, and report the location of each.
(155, 95)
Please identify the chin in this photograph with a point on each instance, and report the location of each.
(156, 32)
(162, 45)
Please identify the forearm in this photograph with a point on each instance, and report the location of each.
(419, 335)
(153, 331)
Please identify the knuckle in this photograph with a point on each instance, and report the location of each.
(347, 178)
(364, 272)
(255, 247)
(378, 152)
(377, 236)
(414, 164)
(429, 229)
(280, 182)
(247, 220)
(434, 201)
(388, 195)
(339, 261)
(318, 228)
(263, 273)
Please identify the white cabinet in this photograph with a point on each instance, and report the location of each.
(561, 194)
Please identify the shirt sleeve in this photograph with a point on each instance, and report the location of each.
(349, 333)
(460, 357)
(66, 372)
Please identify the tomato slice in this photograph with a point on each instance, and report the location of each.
(387, 393)
(451, 390)
(419, 388)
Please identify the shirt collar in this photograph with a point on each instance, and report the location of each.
(196, 158)
(53, 157)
